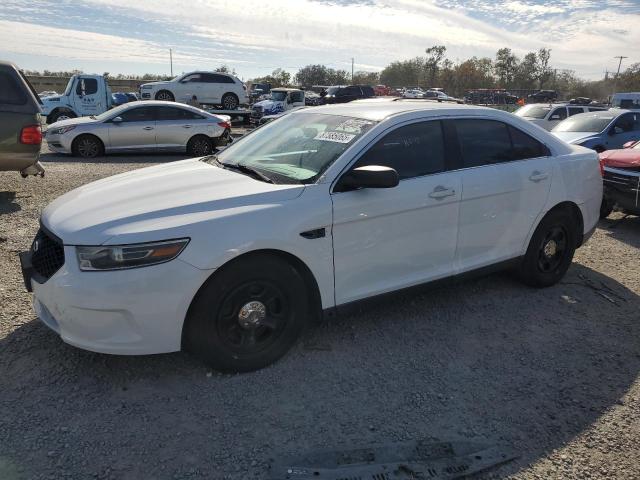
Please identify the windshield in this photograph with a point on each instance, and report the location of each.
(278, 96)
(587, 123)
(297, 148)
(532, 111)
(67, 90)
(114, 112)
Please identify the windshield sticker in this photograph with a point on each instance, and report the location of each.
(337, 137)
(353, 125)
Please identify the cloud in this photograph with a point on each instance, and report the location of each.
(292, 33)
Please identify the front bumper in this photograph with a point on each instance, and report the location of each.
(127, 312)
(58, 143)
(622, 189)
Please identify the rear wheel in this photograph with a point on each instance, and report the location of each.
(200, 146)
(550, 250)
(248, 315)
(88, 146)
(165, 95)
(230, 101)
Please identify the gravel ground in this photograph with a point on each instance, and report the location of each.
(552, 373)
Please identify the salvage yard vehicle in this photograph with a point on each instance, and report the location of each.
(281, 101)
(84, 95)
(543, 96)
(600, 131)
(211, 88)
(621, 177)
(141, 126)
(626, 100)
(212, 255)
(348, 93)
(548, 115)
(20, 130)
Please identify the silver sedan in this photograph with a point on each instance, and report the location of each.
(148, 126)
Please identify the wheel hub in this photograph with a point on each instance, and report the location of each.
(551, 248)
(252, 314)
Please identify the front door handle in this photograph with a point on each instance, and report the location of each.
(442, 192)
(147, 128)
(538, 176)
(186, 126)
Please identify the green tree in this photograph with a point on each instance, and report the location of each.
(505, 67)
(366, 78)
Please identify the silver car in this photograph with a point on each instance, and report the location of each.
(148, 126)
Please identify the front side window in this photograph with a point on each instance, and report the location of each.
(558, 114)
(296, 148)
(575, 111)
(87, 86)
(483, 142)
(297, 96)
(140, 114)
(412, 150)
(628, 122)
(278, 96)
(533, 111)
(193, 78)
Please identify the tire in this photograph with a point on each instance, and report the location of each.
(606, 207)
(550, 250)
(200, 146)
(165, 95)
(87, 146)
(60, 115)
(248, 315)
(230, 101)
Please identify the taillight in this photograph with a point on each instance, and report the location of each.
(31, 135)
(601, 162)
(225, 125)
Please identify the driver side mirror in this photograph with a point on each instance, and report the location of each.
(116, 120)
(369, 176)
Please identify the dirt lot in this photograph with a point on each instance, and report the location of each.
(552, 373)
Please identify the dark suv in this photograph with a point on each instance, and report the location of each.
(20, 130)
(543, 96)
(348, 93)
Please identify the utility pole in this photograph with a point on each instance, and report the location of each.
(615, 80)
(351, 69)
(171, 61)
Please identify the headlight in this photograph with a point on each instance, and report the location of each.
(61, 130)
(118, 257)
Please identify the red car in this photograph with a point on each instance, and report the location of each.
(621, 177)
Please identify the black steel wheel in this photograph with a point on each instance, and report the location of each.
(550, 250)
(88, 146)
(248, 314)
(200, 146)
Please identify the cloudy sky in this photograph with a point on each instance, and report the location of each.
(256, 36)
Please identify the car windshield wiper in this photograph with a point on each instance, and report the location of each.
(238, 167)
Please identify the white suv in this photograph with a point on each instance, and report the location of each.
(548, 115)
(210, 88)
(231, 256)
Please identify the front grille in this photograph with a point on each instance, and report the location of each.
(47, 254)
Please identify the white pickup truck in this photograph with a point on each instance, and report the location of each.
(84, 95)
(282, 101)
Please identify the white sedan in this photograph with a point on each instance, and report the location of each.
(149, 126)
(232, 256)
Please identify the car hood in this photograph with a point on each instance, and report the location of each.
(574, 137)
(626, 158)
(162, 82)
(270, 106)
(71, 121)
(157, 203)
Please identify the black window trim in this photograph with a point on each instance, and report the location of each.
(447, 158)
(158, 108)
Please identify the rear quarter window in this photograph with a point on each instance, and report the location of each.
(11, 92)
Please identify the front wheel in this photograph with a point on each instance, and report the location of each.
(88, 146)
(248, 315)
(550, 250)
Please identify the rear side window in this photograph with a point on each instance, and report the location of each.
(173, 113)
(140, 114)
(10, 91)
(413, 150)
(525, 146)
(87, 86)
(595, 109)
(575, 110)
(483, 142)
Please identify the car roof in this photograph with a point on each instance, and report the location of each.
(381, 109)
(163, 103)
(285, 89)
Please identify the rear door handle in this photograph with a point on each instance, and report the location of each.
(538, 176)
(147, 128)
(442, 192)
(186, 126)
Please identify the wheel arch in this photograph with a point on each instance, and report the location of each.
(301, 267)
(574, 210)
